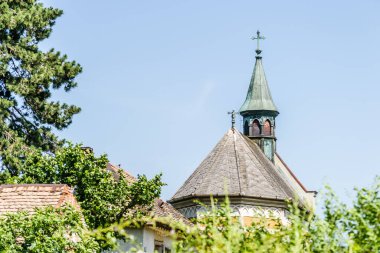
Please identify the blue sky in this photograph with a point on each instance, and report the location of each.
(160, 76)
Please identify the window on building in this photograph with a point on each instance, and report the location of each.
(246, 128)
(267, 128)
(256, 128)
(159, 246)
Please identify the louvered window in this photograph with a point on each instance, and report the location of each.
(255, 128)
(267, 128)
(246, 128)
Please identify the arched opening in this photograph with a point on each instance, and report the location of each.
(267, 128)
(256, 128)
(246, 128)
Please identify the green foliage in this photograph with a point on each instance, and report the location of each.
(28, 76)
(105, 196)
(340, 229)
(48, 230)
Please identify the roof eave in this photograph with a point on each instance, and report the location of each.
(230, 196)
(273, 113)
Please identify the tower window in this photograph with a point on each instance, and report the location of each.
(246, 128)
(255, 128)
(267, 128)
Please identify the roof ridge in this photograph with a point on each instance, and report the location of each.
(292, 173)
(217, 153)
(115, 170)
(269, 165)
(237, 161)
(23, 185)
(267, 174)
(214, 153)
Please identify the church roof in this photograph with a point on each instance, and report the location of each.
(238, 167)
(258, 96)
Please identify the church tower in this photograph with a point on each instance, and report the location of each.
(258, 110)
(245, 166)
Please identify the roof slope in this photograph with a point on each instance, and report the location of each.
(115, 172)
(27, 197)
(160, 208)
(236, 165)
(258, 95)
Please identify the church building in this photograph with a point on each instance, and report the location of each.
(246, 166)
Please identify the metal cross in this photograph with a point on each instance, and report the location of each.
(258, 38)
(233, 117)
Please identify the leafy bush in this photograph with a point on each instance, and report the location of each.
(48, 230)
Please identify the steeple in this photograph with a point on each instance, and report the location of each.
(246, 166)
(258, 110)
(258, 96)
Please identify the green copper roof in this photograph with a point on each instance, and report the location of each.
(258, 96)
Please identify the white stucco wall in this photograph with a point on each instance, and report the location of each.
(148, 240)
(149, 237)
(144, 240)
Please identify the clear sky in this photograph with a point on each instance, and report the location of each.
(160, 76)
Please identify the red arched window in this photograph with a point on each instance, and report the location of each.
(267, 128)
(255, 128)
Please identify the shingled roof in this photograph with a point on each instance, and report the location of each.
(237, 166)
(27, 197)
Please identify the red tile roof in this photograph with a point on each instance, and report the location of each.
(27, 197)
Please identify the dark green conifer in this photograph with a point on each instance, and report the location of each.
(28, 78)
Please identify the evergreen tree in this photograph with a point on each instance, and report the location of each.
(28, 76)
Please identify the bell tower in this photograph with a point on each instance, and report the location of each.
(258, 110)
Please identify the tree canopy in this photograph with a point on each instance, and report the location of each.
(29, 150)
(105, 196)
(28, 77)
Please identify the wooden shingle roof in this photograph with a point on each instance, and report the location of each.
(238, 167)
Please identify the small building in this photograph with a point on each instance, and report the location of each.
(158, 237)
(245, 166)
(151, 238)
(28, 197)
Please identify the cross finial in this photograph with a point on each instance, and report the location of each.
(233, 118)
(258, 38)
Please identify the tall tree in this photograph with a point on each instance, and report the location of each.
(28, 76)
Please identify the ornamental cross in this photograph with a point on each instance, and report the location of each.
(258, 38)
(233, 118)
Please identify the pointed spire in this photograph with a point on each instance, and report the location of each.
(258, 97)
